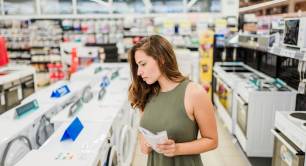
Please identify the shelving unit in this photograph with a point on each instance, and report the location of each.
(110, 7)
(273, 7)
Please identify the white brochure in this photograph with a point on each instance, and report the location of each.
(154, 139)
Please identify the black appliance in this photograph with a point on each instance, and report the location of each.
(9, 95)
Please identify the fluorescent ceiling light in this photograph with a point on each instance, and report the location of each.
(147, 3)
(101, 2)
(191, 3)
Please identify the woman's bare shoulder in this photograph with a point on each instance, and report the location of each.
(195, 89)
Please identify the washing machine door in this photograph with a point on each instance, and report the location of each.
(87, 95)
(15, 150)
(125, 145)
(101, 93)
(113, 158)
(44, 130)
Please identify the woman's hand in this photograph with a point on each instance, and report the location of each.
(168, 148)
(145, 147)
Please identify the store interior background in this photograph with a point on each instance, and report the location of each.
(243, 53)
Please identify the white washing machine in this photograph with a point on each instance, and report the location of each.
(42, 128)
(15, 141)
(37, 123)
(114, 109)
(85, 150)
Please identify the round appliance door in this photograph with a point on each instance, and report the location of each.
(44, 130)
(113, 159)
(125, 146)
(87, 95)
(15, 150)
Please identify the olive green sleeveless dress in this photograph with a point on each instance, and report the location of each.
(166, 111)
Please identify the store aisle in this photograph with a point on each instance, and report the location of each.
(228, 152)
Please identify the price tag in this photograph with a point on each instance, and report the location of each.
(26, 108)
(62, 91)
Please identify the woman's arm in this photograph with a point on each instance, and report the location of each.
(203, 113)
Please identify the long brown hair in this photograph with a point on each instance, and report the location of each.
(160, 50)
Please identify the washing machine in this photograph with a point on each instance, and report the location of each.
(38, 122)
(15, 141)
(41, 127)
(90, 148)
(124, 138)
(115, 113)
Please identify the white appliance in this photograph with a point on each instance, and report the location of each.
(89, 149)
(49, 107)
(226, 77)
(255, 110)
(36, 126)
(188, 63)
(289, 138)
(16, 83)
(112, 108)
(14, 142)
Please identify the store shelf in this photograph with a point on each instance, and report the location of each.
(253, 47)
(107, 16)
(287, 52)
(264, 5)
(279, 51)
(291, 4)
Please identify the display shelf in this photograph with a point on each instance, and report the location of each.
(18, 49)
(288, 52)
(279, 51)
(263, 6)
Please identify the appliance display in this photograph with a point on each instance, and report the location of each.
(226, 76)
(242, 114)
(295, 32)
(255, 108)
(15, 150)
(15, 86)
(15, 141)
(89, 148)
(289, 138)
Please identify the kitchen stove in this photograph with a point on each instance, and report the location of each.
(298, 116)
(292, 128)
(290, 132)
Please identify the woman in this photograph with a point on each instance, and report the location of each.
(169, 101)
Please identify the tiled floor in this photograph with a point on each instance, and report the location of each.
(228, 152)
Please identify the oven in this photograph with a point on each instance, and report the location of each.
(10, 95)
(224, 93)
(242, 114)
(285, 152)
(28, 87)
